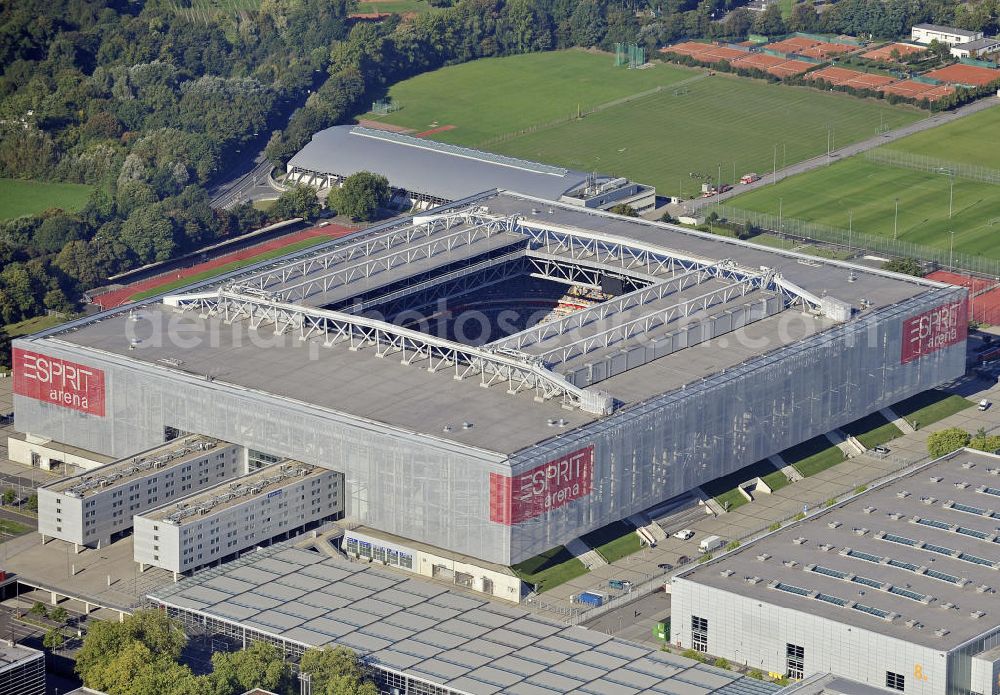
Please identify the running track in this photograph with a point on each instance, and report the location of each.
(115, 298)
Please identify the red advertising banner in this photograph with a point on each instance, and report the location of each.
(58, 381)
(542, 489)
(935, 329)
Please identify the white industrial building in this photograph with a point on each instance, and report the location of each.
(22, 670)
(980, 48)
(96, 507)
(895, 588)
(925, 33)
(218, 523)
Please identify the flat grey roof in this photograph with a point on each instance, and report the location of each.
(233, 492)
(916, 558)
(944, 30)
(12, 653)
(425, 630)
(169, 455)
(978, 44)
(406, 161)
(414, 400)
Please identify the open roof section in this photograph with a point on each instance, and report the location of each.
(915, 558)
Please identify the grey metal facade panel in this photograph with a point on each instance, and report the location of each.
(652, 451)
(413, 487)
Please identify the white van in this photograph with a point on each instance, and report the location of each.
(710, 543)
(984, 404)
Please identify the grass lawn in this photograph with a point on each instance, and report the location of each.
(395, 6)
(228, 267)
(18, 198)
(487, 98)
(39, 323)
(873, 430)
(959, 141)
(930, 406)
(614, 541)
(12, 528)
(264, 205)
(724, 489)
(813, 455)
(550, 569)
(724, 126)
(868, 192)
(776, 480)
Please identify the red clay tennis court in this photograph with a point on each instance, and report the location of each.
(985, 307)
(842, 77)
(811, 48)
(705, 52)
(918, 90)
(965, 74)
(779, 67)
(904, 50)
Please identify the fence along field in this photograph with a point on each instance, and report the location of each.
(668, 124)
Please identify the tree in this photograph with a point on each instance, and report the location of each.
(361, 195)
(59, 614)
(587, 24)
(33, 503)
(769, 22)
(9, 496)
(258, 666)
(947, 441)
(298, 201)
(336, 671)
(152, 629)
(907, 266)
(39, 610)
(53, 639)
(623, 209)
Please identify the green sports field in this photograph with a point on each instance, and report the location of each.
(493, 97)
(19, 197)
(868, 191)
(696, 124)
(972, 140)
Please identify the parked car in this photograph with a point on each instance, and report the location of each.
(684, 534)
(683, 560)
(665, 566)
(984, 404)
(881, 451)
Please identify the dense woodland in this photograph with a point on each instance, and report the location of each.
(147, 106)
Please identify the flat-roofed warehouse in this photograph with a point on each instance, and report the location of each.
(424, 173)
(895, 588)
(625, 362)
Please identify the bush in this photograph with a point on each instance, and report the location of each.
(721, 663)
(755, 674)
(775, 526)
(859, 489)
(830, 502)
(733, 545)
(33, 503)
(946, 441)
(800, 516)
(705, 558)
(39, 610)
(692, 654)
(9, 496)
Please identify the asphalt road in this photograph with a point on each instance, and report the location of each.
(250, 186)
(840, 153)
(636, 620)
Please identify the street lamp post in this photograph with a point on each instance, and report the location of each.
(895, 220)
(951, 251)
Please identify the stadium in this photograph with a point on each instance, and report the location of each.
(501, 375)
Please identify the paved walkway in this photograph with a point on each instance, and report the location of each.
(934, 121)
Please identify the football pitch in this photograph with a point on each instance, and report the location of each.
(696, 128)
(862, 195)
(19, 197)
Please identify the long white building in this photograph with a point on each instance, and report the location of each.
(217, 523)
(96, 507)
